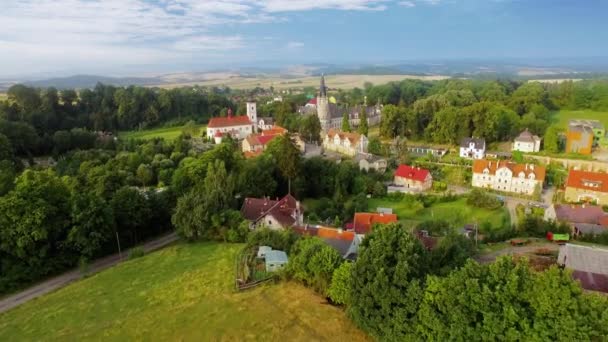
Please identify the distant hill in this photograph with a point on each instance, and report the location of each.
(89, 81)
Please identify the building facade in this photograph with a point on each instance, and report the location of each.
(345, 142)
(238, 127)
(472, 148)
(368, 161)
(584, 186)
(508, 177)
(580, 137)
(526, 142)
(274, 214)
(413, 178)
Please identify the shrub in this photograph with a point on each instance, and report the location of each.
(339, 290)
(136, 253)
(313, 262)
(281, 240)
(482, 199)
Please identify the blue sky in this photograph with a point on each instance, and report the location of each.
(134, 37)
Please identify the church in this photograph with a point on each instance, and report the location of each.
(330, 114)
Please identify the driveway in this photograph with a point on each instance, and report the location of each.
(76, 274)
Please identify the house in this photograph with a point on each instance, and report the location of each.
(274, 214)
(472, 148)
(363, 222)
(589, 265)
(585, 186)
(413, 178)
(599, 131)
(265, 123)
(275, 260)
(584, 219)
(255, 144)
(239, 127)
(526, 142)
(348, 143)
(330, 114)
(368, 161)
(343, 241)
(508, 176)
(580, 137)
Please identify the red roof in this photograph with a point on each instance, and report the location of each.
(596, 181)
(284, 210)
(313, 101)
(265, 139)
(229, 121)
(363, 221)
(408, 172)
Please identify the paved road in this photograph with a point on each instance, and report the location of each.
(71, 276)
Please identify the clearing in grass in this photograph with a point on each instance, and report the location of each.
(457, 212)
(182, 293)
(167, 133)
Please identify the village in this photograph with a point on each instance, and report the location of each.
(521, 186)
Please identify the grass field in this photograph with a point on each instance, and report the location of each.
(167, 133)
(278, 82)
(458, 212)
(182, 293)
(561, 117)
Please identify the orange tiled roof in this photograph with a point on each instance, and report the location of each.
(229, 121)
(364, 221)
(480, 165)
(596, 181)
(274, 130)
(353, 137)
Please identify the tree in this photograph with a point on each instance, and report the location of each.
(92, 223)
(145, 174)
(507, 300)
(313, 262)
(286, 155)
(451, 252)
(363, 125)
(191, 129)
(131, 213)
(7, 176)
(345, 122)
(310, 129)
(6, 149)
(375, 146)
(340, 288)
(552, 139)
(387, 282)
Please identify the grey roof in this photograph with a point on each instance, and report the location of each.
(479, 143)
(275, 256)
(590, 228)
(526, 136)
(588, 123)
(579, 213)
(369, 157)
(339, 245)
(584, 258)
(267, 120)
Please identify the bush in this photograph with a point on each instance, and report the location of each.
(313, 262)
(481, 199)
(339, 290)
(136, 252)
(282, 240)
(435, 227)
(601, 239)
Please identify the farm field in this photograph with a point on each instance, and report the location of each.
(278, 82)
(458, 212)
(561, 117)
(185, 292)
(167, 133)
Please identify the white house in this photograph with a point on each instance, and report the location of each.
(345, 142)
(472, 148)
(507, 176)
(526, 142)
(274, 214)
(238, 127)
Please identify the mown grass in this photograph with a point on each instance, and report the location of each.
(561, 118)
(458, 212)
(167, 133)
(182, 293)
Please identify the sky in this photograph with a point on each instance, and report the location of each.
(138, 37)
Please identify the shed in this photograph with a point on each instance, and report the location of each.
(263, 250)
(275, 260)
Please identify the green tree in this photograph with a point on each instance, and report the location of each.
(191, 129)
(345, 122)
(363, 125)
(310, 129)
(552, 139)
(92, 223)
(7, 176)
(340, 287)
(313, 262)
(6, 149)
(387, 282)
(131, 213)
(287, 156)
(145, 174)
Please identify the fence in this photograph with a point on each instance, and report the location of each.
(245, 277)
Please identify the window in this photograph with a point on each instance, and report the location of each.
(269, 222)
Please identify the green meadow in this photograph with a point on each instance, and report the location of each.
(167, 133)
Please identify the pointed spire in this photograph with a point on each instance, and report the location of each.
(323, 88)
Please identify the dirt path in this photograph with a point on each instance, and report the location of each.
(76, 274)
(515, 250)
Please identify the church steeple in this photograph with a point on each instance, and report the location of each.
(322, 88)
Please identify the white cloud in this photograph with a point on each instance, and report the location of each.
(50, 34)
(407, 3)
(295, 45)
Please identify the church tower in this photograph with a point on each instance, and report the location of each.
(323, 106)
(252, 113)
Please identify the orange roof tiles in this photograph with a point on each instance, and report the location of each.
(479, 165)
(274, 130)
(229, 121)
(364, 221)
(596, 181)
(353, 137)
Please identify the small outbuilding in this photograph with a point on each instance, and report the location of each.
(263, 250)
(275, 260)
